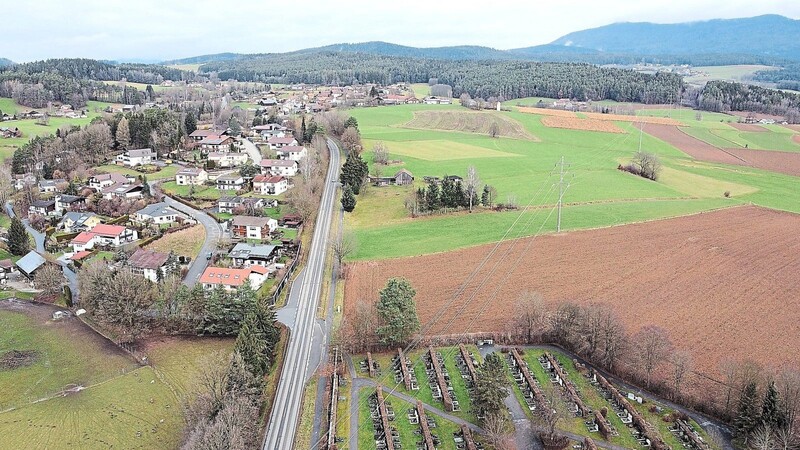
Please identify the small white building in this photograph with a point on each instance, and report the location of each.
(103, 234)
(230, 182)
(227, 159)
(157, 213)
(191, 176)
(148, 264)
(100, 181)
(292, 152)
(232, 279)
(277, 143)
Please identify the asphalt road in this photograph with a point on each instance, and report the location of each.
(283, 420)
(251, 150)
(213, 235)
(38, 238)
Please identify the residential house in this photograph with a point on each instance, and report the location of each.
(42, 207)
(269, 130)
(276, 143)
(232, 279)
(138, 157)
(102, 234)
(150, 264)
(250, 227)
(230, 182)
(30, 263)
(9, 132)
(292, 152)
(433, 100)
(74, 221)
(221, 159)
(66, 202)
(101, 181)
(157, 213)
(191, 176)
(244, 254)
(48, 186)
(229, 204)
(270, 185)
(282, 167)
(199, 135)
(216, 143)
(123, 190)
(22, 180)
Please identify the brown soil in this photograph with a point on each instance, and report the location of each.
(600, 116)
(726, 284)
(796, 138)
(14, 359)
(751, 127)
(574, 123)
(775, 161)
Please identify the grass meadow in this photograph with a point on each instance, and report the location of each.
(598, 195)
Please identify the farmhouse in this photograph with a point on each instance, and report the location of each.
(230, 182)
(74, 221)
(292, 152)
(250, 227)
(150, 264)
(250, 204)
(282, 167)
(138, 157)
(191, 176)
(42, 207)
(277, 143)
(433, 100)
(157, 213)
(270, 185)
(244, 254)
(401, 178)
(221, 159)
(232, 279)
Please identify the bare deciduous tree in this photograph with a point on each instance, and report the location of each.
(49, 279)
(681, 365)
(357, 332)
(499, 432)
(494, 129)
(351, 140)
(380, 153)
(472, 182)
(343, 246)
(6, 186)
(532, 316)
(652, 346)
(649, 165)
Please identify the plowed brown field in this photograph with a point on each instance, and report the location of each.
(726, 284)
(749, 127)
(796, 138)
(600, 116)
(575, 123)
(781, 162)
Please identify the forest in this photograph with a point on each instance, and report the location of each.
(507, 79)
(721, 96)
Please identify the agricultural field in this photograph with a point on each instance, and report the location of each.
(114, 402)
(574, 123)
(737, 73)
(186, 242)
(694, 264)
(466, 121)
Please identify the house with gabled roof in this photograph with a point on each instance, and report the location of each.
(276, 143)
(251, 227)
(191, 176)
(232, 279)
(245, 254)
(293, 152)
(136, 157)
(103, 234)
(270, 185)
(148, 263)
(157, 213)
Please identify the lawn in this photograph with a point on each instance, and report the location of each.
(167, 172)
(204, 192)
(186, 242)
(122, 405)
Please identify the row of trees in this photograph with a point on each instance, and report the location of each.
(507, 79)
(453, 193)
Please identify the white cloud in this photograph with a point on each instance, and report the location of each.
(166, 29)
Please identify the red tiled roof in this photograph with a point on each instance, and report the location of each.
(83, 238)
(281, 140)
(80, 255)
(278, 162)
(148, 259)
(229, 277)
(268, 179)
(108, 230)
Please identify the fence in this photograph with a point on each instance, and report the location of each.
(289, 271)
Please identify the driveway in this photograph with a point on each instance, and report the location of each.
(251, 149)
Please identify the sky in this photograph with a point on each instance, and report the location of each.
(158, 30)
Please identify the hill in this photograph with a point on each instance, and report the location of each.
(768, 35)
(4, 62)
(388, 49)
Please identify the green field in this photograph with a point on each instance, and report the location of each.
(200, 192)
(167, 172)
(598, 195)
(30, 129)
(726, 73)
(120, 404)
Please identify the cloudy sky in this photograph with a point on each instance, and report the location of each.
(169, 29)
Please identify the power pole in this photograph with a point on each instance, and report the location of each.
(562, 187)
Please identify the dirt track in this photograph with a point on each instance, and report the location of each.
(726, 283)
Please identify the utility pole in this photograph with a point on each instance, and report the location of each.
(562, 186)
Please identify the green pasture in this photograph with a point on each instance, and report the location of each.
(737, 73)
(167, 172)
(120, 404)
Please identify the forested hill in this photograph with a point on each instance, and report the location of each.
(768, 35)
(507, 79)
(5, 62)
(389, 49)
(90, 69)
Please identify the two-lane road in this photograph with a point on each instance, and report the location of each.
(286, 408)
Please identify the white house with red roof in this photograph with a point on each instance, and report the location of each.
(283, 167)
(103, 234)
(233, 279)
(276, 143)
(292, 152)
(270, 184)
